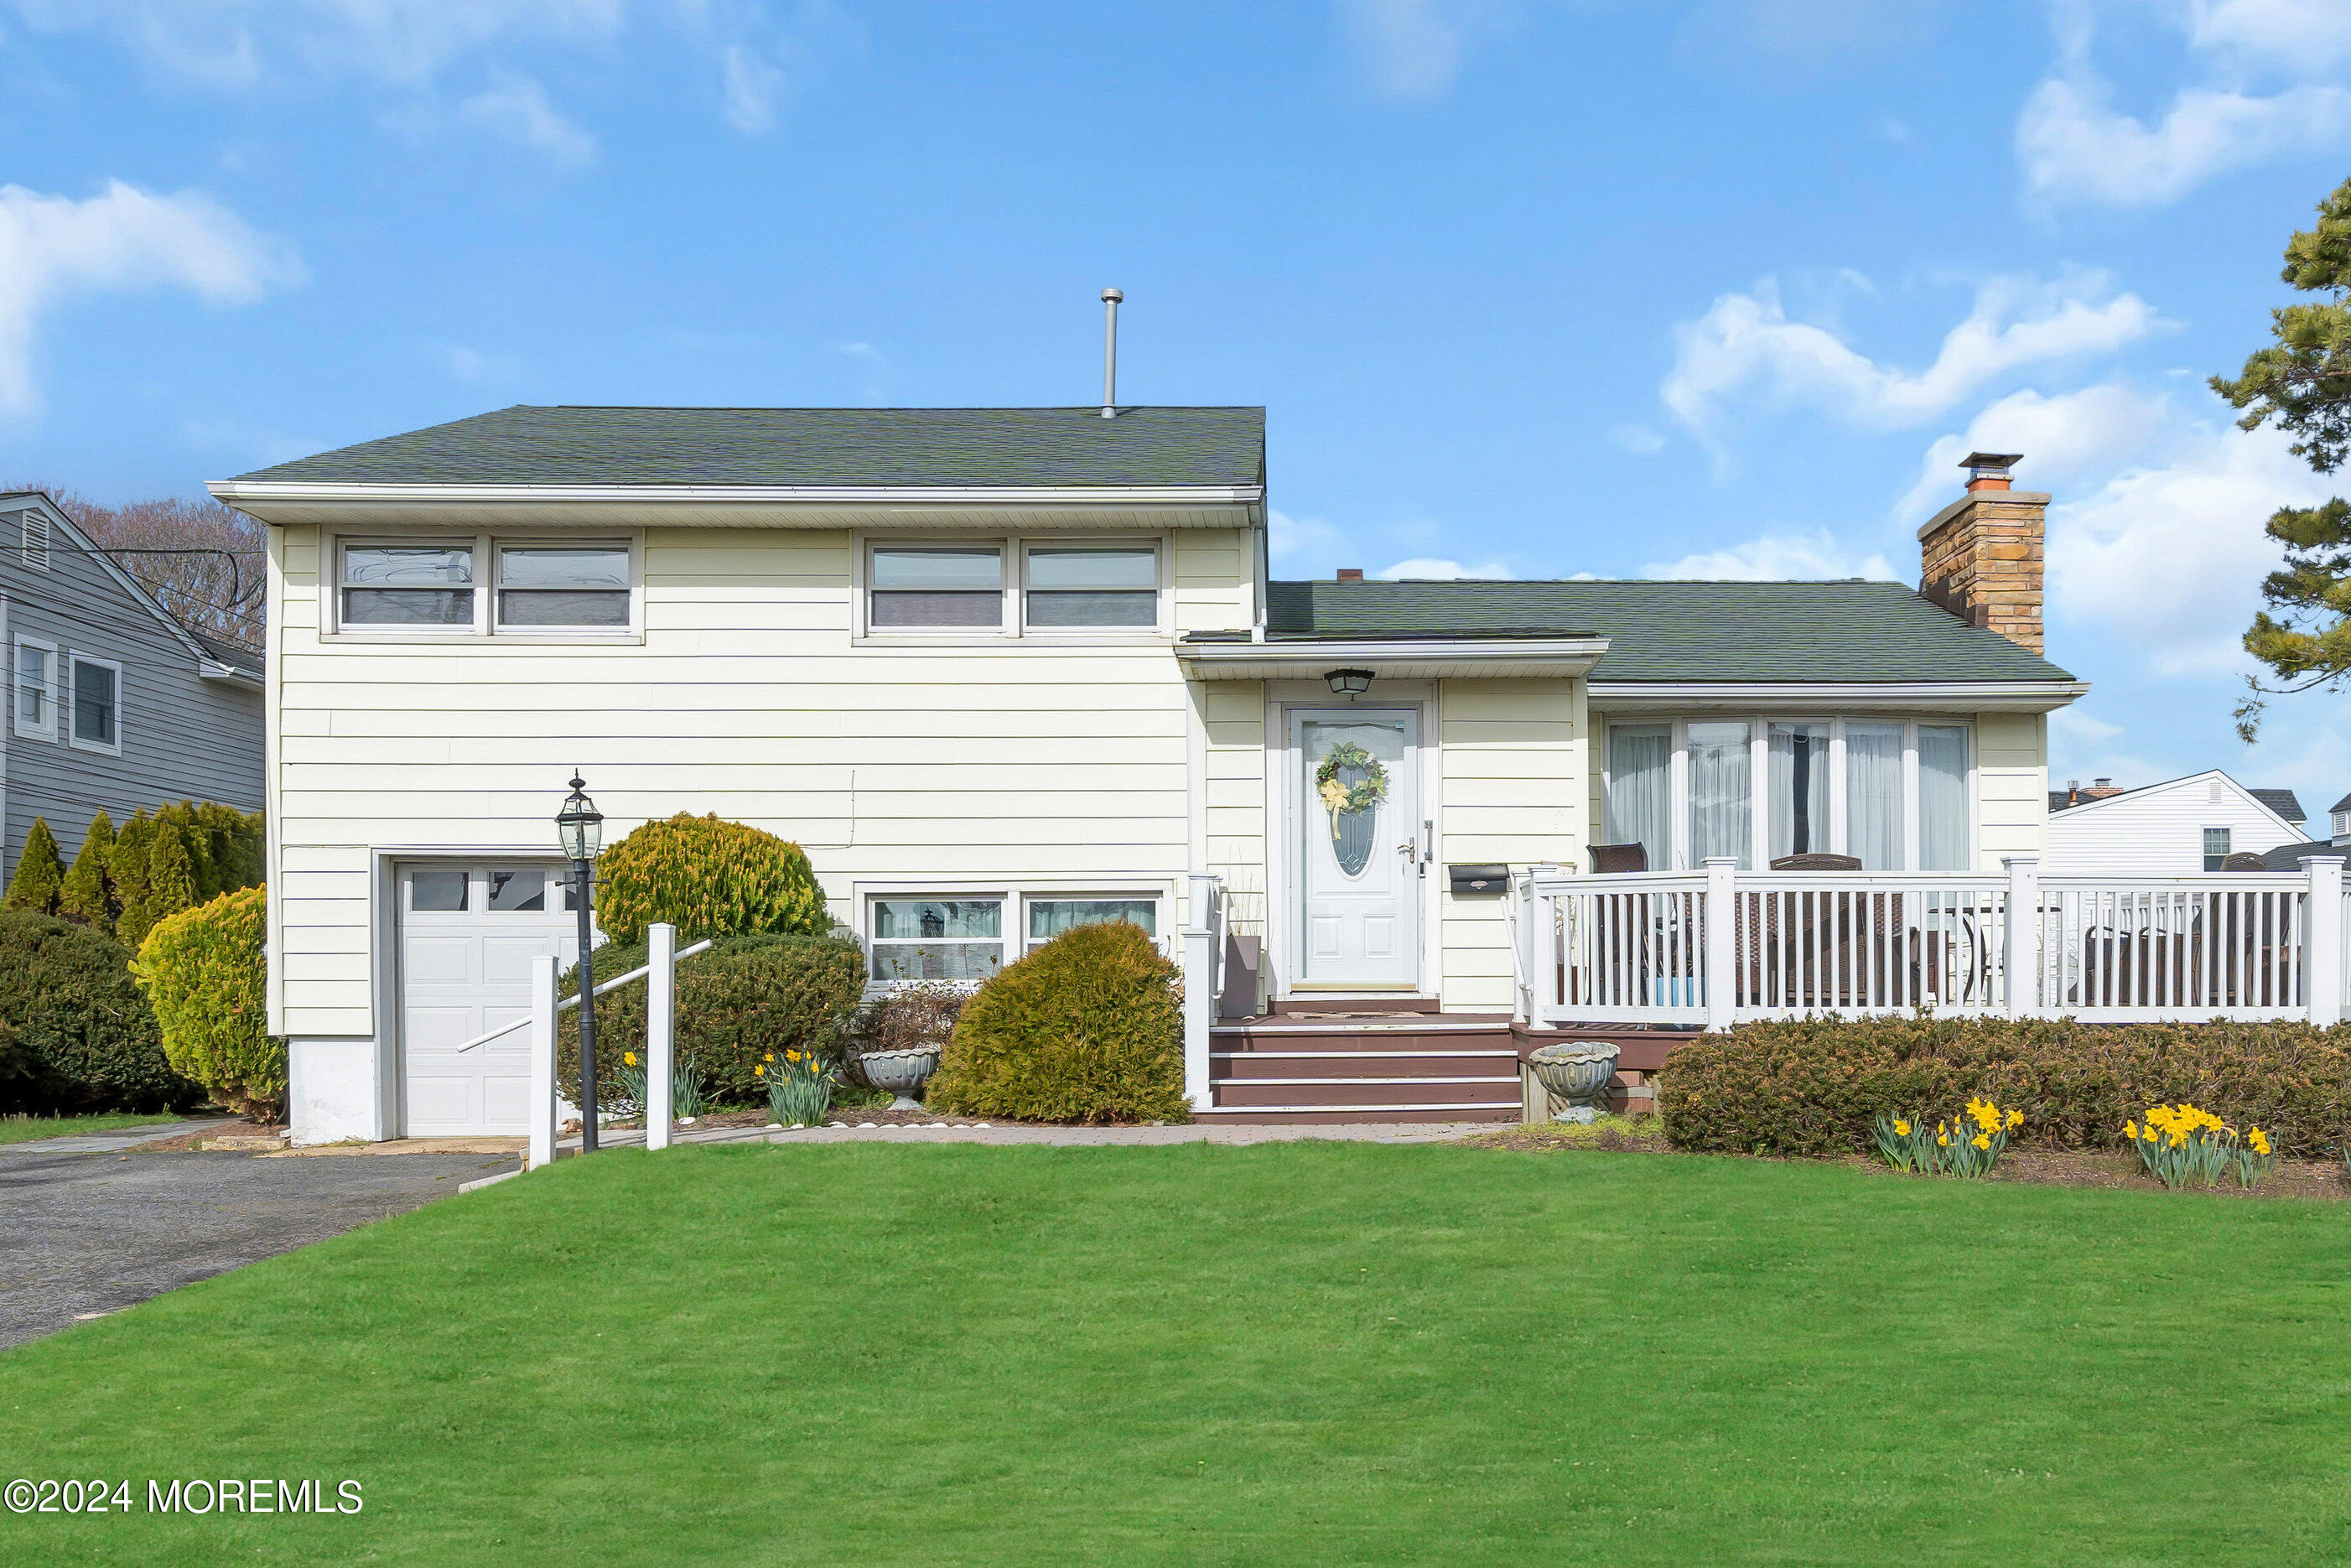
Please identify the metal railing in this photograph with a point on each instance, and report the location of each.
(1720, 946)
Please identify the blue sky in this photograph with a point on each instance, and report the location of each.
(1528, 287)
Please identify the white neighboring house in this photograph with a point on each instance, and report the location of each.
(2174, 828)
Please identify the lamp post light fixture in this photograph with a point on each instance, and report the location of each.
(1349, 682)
(579, 826)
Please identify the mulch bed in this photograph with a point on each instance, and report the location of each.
(2049, 1167)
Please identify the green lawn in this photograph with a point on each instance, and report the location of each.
(1280, 1354)
(24, 1129)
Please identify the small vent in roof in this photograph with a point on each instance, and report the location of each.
(36, 538)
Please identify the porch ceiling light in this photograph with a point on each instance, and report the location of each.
(1349, 682)
(579, 825)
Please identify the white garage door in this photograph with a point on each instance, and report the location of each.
(468, 935)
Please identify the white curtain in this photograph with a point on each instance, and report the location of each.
(1799, 788)
(1942, 797)
(1872, 795)
(1640, 791)
(1722, 799)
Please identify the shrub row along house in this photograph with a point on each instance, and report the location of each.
(1007, 670)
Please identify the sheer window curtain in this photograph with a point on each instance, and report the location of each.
(1873, 791)
(1640, 791)
(1799, 788)
(1721, 797)
(1942, 797)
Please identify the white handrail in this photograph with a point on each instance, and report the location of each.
(568, 1003)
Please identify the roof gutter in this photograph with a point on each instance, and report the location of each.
(1962, 696)
(1238, 660)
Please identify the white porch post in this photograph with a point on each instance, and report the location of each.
(2322, 960)
(1199, 985)
(2019, 958)
(1721, 961)
(543, 1061)
(661, 1030)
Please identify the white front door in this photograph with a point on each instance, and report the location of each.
(468, 935)
(1358, 831)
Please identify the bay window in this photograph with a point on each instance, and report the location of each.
(1896, 795)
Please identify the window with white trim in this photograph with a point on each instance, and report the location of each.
(936, 938)
(1050, 917)
(571, 586)
(408, 584)
(94, 721)
(1047, 587)
(2216, 848)
(34, 698)
(1894, 794)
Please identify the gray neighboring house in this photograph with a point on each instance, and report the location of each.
(111, 703)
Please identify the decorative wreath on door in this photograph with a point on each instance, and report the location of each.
(1369, 790)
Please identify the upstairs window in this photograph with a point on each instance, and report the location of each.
(563, 585)
(36, 684)
(1090, 585)
(931, 587)
(97, 704)
(408, 585)
(2216, 848)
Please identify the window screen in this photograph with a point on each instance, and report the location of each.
(931, 586)
(1079, 585)
(408, 585)
(563, 585)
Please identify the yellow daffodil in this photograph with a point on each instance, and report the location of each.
(1983, 1140)
(2131, 1130)
(760, 1071)
(771, 1056)
(1943, 1140)
(2015, 1119)
(2259, 1140)
(629, 1057)
(1901, 1128)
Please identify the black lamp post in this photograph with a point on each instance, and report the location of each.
(580, 828)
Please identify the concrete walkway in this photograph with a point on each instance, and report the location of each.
(113, 1141)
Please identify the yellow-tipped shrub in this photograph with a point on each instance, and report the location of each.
(1088, 1028)
(707, 877)
(205, 975)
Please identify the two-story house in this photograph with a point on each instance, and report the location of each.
(113, 705)
(1002, 670)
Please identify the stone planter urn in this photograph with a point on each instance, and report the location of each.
(1575, 1071)
(903, 1073)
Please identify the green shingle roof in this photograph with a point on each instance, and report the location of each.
(1849, 630)
(948, 447)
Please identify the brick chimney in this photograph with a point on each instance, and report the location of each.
(1350, 574)
(1979, 558)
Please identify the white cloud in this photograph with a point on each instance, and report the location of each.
(2168, 557)
(122, 240)
(2065, 438)
(1747, 341)
(1432, 569)
(752, 83)
(2076, 147)
(402, 42)
(2308, 34)
(1638, 438)
(517, 109)
(1774, 558)
(1408, 49)
(1304, 544)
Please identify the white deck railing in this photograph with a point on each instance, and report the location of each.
(1721, 945)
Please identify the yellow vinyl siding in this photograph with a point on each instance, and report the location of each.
(2011, 787)
(1513, 768)
(748, 696)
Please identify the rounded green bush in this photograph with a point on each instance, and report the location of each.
(1812, 1086)
(1088, 1027)
(87, 1039)
(707, 877)
(205, 973)
(747, 999)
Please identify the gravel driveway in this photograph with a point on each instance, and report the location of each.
(91, 1232)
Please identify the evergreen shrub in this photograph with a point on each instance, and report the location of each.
(204, 972)
(40, 871)
(1088, 1027)
(749, 998)
(88, 894)
(707, 877)
(66, 991)
(1815, 1086)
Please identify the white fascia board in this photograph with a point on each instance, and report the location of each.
(238, 492)
(213, 670)
(1276, 660)
(1951, 696)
